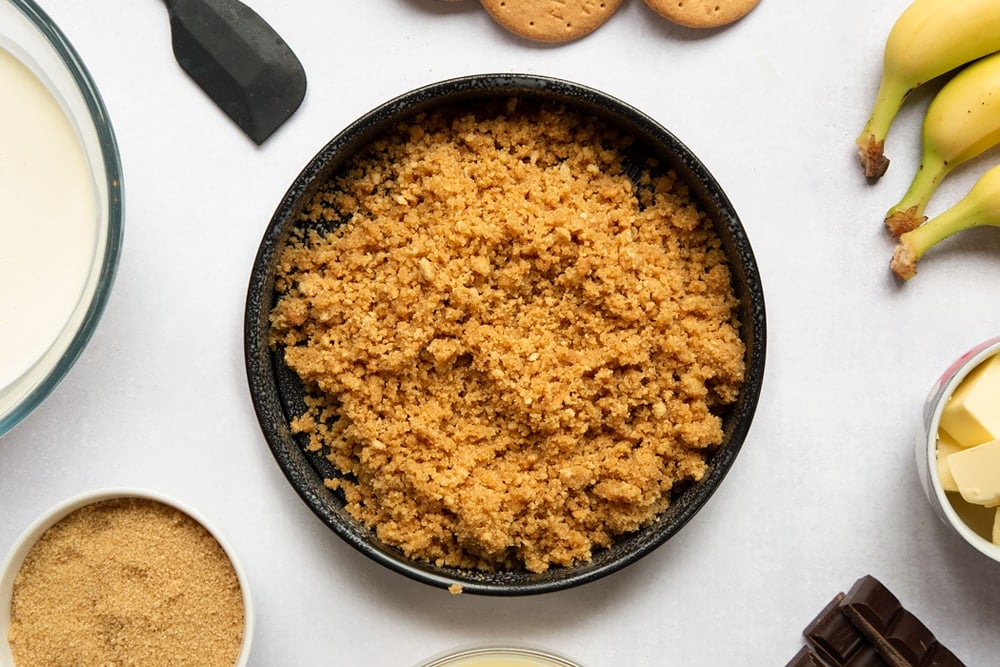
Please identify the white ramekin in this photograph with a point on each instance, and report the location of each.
(19, 551)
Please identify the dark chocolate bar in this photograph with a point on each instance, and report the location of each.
(837, 641)
(832, 635)
(868, 627)
(901, 638)
(866, 656)
(805, 658)
(940, 656)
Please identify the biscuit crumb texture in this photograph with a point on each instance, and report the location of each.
(126, 582)
(512, 352)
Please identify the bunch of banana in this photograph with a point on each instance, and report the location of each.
(981, 206)
(930, 38)
(962, 121)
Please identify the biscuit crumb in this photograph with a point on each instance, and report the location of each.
(518, 366)
(455, 589)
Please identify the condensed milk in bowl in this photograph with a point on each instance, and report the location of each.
(60, 208)
(512, 655)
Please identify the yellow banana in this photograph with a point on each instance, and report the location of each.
(981, 206)
(962, 121)
(930, 38)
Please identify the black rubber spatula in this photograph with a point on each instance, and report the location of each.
(239, 60)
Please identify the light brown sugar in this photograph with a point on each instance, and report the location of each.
(126, 582)
(514, 348)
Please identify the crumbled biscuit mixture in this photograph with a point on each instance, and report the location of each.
(511, 351)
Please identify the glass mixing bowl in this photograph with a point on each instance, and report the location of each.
(54, 269)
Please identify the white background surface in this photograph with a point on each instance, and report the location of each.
(825, 489)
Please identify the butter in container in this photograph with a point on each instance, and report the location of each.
(958, 448)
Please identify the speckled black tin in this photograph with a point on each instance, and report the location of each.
(276, 393)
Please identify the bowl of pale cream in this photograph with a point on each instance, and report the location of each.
(513, 655)
(61, 211)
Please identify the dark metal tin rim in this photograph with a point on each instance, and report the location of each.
(262, 372)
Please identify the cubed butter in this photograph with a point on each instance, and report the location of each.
(971, 416)
(977, 473)
(979, 519)
(946, 446)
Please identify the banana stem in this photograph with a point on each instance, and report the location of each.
(871, 141)
(908, 213)
(981, 206)
(949, 223)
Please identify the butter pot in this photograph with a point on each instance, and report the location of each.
(926, 444)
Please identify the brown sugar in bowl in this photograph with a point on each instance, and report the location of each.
(279, 395)
(123, 576)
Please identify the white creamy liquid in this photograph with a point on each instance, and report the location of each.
(499, 659)
(48, 219)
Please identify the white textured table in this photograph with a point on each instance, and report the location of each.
(825, 489)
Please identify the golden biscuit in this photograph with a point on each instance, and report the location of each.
(702, 13)
(551, 20)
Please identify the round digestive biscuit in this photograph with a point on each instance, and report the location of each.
(551, 20)
(702, 13)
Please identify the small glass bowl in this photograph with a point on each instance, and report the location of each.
(28, 34)
(499, 656)
(11, 565)
(926, 445)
